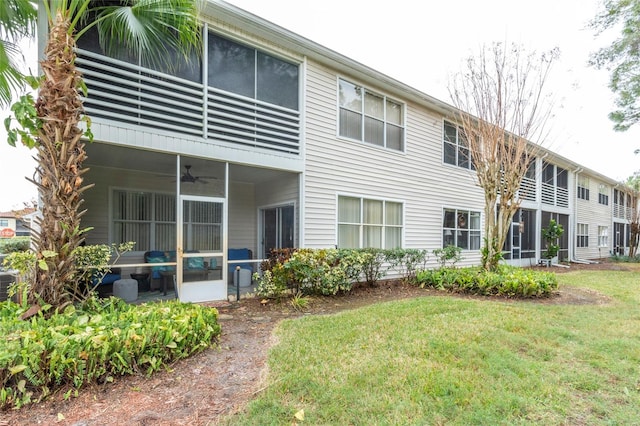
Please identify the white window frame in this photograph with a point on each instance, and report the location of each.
(458, 229)
(457, 145)
(386, 123)
(603, 236)
(583, 187)
(361, 223)
(582, 235)
(603, 195)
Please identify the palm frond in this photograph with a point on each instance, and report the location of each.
(149, 28)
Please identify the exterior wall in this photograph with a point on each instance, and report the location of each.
(242, 216)
(595, 215)
(417, 177)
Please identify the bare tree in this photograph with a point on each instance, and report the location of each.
(502, 109)
(633, 183)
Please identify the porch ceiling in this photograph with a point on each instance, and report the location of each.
(118, 157)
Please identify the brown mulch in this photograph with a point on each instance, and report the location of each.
(219, 381)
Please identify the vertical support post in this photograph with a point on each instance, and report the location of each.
(238, 283)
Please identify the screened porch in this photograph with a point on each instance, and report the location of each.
(193, 220)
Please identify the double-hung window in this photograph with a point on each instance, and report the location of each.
(456, 147)
(603, 195)
(364, 223)
(370, 117)
(603, 236)
(461, 228)
(4, 223)
(582, 235)
(583, 187)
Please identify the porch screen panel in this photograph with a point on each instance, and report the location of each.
(165, 222)
(203, 226)
(277, 81)
(131, 215)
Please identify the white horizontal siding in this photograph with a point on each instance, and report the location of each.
(416, 177)
(594, 214)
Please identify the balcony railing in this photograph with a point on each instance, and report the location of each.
(554, 195)
(127, 93)
(527, 189)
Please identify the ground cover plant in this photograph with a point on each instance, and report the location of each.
(504, 281)
(94, 343)
(453, 360)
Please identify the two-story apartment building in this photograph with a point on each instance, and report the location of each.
(270, 140)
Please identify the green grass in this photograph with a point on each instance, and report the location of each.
(445, 360)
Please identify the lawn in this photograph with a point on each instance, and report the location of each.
(449, 360)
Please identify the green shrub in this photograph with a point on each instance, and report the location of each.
(94, 343)
(329, 271)
(625, 259)
(450, 253)
(309, 271)
(506, 281)
(407, 261)
(11, 245)
(373, 268)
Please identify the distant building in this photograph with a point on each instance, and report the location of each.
(15, 223)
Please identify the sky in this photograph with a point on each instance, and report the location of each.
(423, 43)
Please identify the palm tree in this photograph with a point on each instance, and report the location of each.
(17, 22)
(147, 28)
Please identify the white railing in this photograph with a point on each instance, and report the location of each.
(127, 93)
(618, 211)
(554, 195)
(562, 197)
(527, 189)
(249, 122)
(548, 194)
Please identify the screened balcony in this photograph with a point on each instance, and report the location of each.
(234, 94)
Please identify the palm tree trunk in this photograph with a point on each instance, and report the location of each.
(60, 154)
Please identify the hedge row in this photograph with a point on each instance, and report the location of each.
(329, 271)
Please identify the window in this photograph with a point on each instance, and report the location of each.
(583, 187)
(456, 147)
(364, 223)
(583, 235)
(603, 195)
(148, 219)
(461, 228)
(370, 117)
(245, 71)
(4, 223)
(603, 236)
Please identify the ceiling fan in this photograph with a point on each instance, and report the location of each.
(187, 177)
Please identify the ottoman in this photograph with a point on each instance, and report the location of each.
(126, 289)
